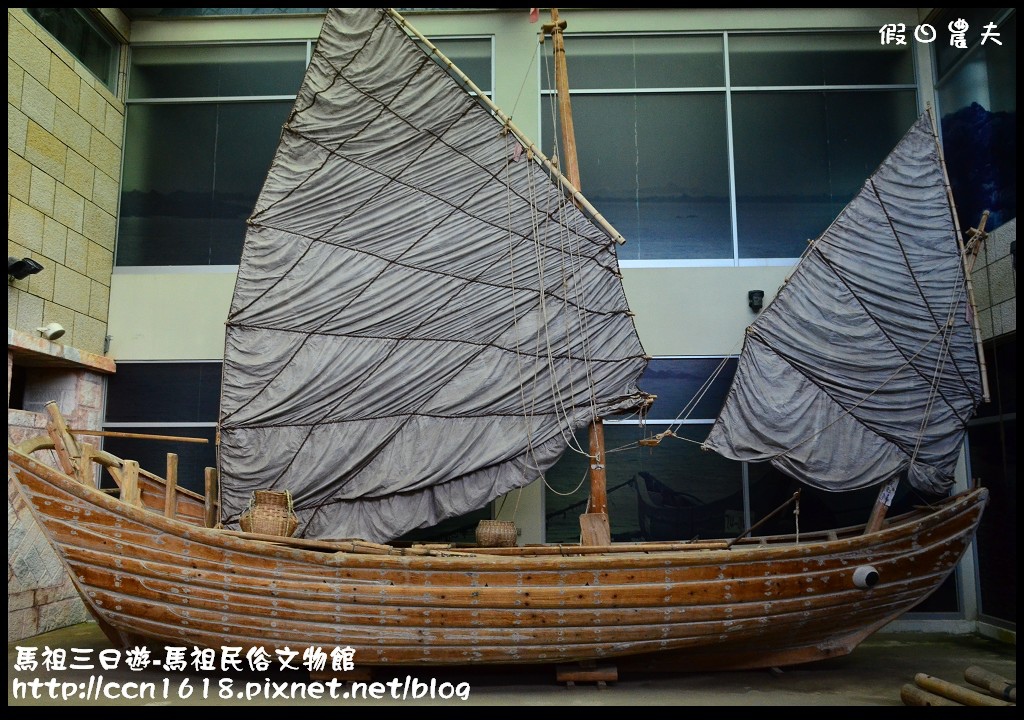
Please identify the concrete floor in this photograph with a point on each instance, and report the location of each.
(872, 675)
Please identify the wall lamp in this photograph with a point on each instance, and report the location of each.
(51, 331)
(21, 269)
(755, 299)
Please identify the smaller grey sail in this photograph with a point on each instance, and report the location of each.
(865, 364)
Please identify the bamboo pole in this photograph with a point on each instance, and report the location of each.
(139, 436)
(995, 684)
(63, 444)
(977, 237)
(963, 257)
(912, 695)
(86, 474)
(171, 486)
(956, 692)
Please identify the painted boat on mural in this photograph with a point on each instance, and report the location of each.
(408, 341)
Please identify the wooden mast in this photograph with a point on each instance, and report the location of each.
(595, 528)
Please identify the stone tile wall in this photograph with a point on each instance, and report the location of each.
(64, 139)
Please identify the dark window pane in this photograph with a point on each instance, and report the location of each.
(461, 529)
(164, 392)
(649, 61)
(693, 478)
(684, 492)
(821, 58)
(680, 384)
(1001, 371)
(978, 99)
(947, 55)
(993, 452)
(656, 166)
(471, 55)
(192, 175)
(994, 462)
(92, 46)
(801, 156)
(216, 71)
(151, 455)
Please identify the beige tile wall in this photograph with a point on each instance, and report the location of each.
(64, 138)
(995, 283)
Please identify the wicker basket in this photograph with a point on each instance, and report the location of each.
(496, 533)
(270, 513)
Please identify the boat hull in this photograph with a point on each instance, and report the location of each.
(148, 578)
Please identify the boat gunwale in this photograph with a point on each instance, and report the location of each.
(914, 521)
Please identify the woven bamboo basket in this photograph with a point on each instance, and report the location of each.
(270, 513)
(496, 533)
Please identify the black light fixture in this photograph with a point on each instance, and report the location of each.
(21, 269)
(755, 299)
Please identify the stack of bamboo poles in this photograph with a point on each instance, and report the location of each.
(993, 690)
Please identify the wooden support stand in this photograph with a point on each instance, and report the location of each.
(595, 529)
(212, 513)
(171, 487)
(587, 672)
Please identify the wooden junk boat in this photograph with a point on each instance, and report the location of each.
(396, 354)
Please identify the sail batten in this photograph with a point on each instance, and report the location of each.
(422, 316)
(864, 366)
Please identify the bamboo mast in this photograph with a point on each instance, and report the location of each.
(595, 528)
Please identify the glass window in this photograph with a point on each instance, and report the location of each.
(201, 129)
(672, 491)
(175, 399)
(164, 392)
(688, 388)
(656, 166)
(653, 115)
(193, 458)
(993, 455)
(649, 61)
(216, 71)
(471, 55)
(802, 156)
(84, 38)
(192, 174)
(831, 58)
(977, 91)
(948, 55)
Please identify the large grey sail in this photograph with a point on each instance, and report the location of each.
(421, 318)
(865, 364)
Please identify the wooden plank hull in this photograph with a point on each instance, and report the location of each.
(146, 577)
